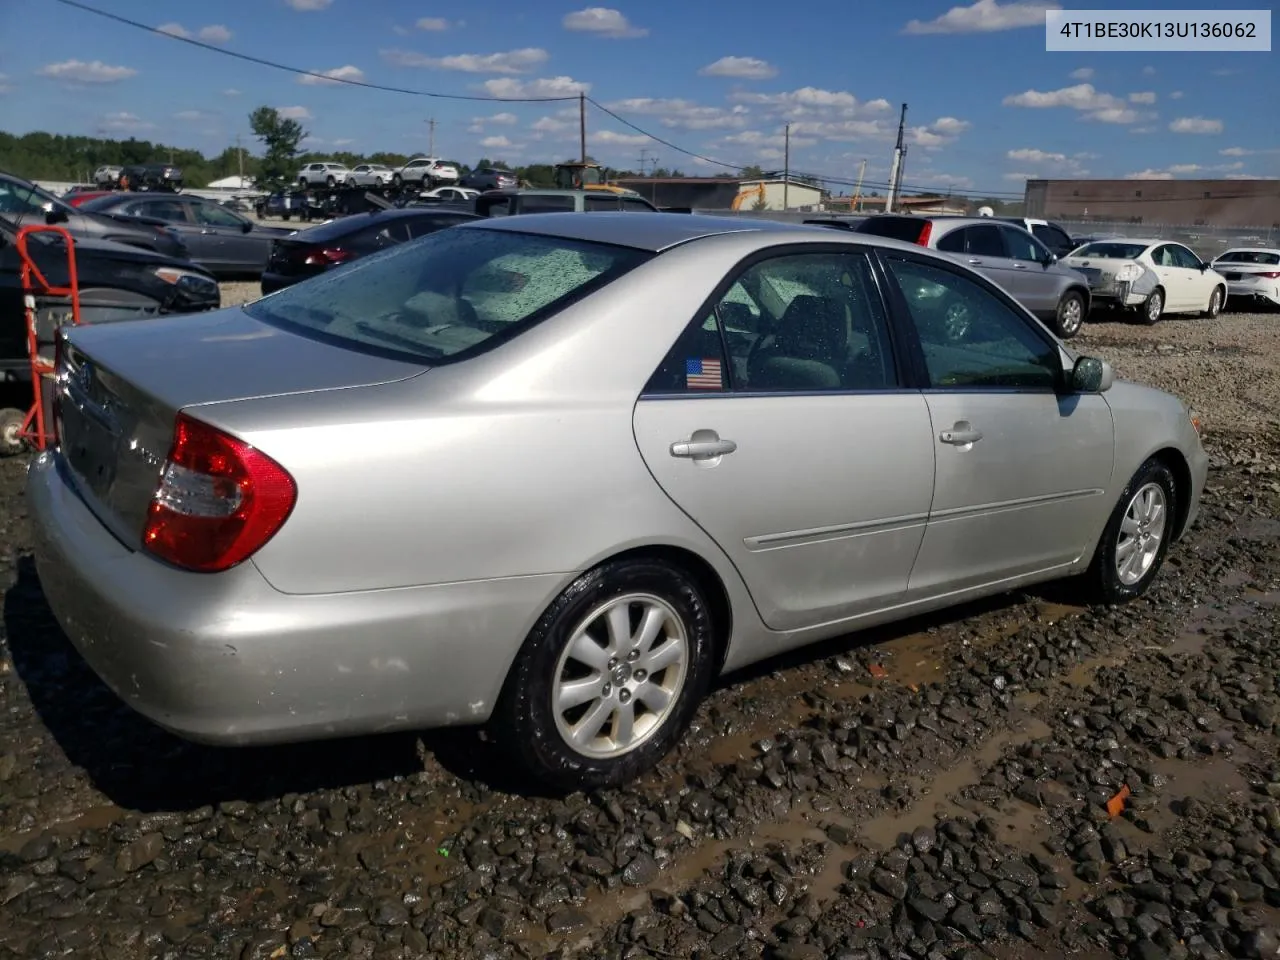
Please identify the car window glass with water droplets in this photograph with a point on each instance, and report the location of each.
(447, 295)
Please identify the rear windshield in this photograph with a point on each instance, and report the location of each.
(895, 228)
(449, 295)
(1250, 256)
(1110, 250)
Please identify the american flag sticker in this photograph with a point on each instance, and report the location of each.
(701, 373)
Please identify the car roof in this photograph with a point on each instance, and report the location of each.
(1143, 241)
(1249, 250)
(341, 226)
(655, 232)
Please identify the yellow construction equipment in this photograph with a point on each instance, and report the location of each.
(580, 175)
(753, 194)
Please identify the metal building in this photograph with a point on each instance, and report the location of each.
(1216, 203)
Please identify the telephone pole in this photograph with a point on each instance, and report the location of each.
(431, 137)
(240, 159)
(786, 167)
(899, 152)
(644, 160)
(857, 191)
(582, 126)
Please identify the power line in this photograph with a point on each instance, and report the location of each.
(297, 70)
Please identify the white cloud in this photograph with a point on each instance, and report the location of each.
(1196, 125)
(777, 140)
(1178, 169)
(845, 130)
(123, 123)
(604, 22)
(1083, 97)
(503, 118)
(5, 86)
(1145, 96)
(684, 114)
(77, 71)
(509, 87)
(231, 92)
(937, 180)
(1084, 73)
(433, 24)
(812, 103)
(550, 125)
(1249, 176)
(495, 142)
(214, 33)
(1236, 152)
(294, 113)
(305, 5)
(1148, 71)
(985, 16)
(1176, 95)
(189, 115)
(1031, 155)
(743, 68)
(1022, 176)
(512, 61)
(1050, 161)
(175, 30)
(950, 126)
(334, 76)
(1149, 175)
(344, 142)
(620, 139)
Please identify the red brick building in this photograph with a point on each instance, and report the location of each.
(1216, 203)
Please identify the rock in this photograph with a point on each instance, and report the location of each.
(641, 871)
(568, 918)
(142, 852)
(727, 940)
(889, 884)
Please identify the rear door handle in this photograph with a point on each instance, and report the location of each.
(960, 437)
(700, 449)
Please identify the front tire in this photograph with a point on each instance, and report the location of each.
(609, 678)
(10, 426)
(1151, 311)
(1216, 299)
(1132, 548)
(1070, 315)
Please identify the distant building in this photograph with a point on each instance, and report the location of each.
(723, 193)
(1218, 203)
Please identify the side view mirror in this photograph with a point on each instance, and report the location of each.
(246, 226)
(1050, 259)
(1091, 375)
(54, 214)
(1203, 266)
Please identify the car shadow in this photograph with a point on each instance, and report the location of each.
(139, 766)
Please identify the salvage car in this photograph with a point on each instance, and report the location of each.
(1150, 278)
(1252, 273)
(216, 237)
(1005, 253)
(587, 465)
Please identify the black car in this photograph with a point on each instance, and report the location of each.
(320, 248)
(216, 237)
(116, 282)
(490, 178)
(25, 204)
(151, 176)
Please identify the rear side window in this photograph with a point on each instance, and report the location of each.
(547, 204)
(449, 295)
(379, 236)
(632, 205)
(425, 225)
(906, 229)
(601, 203)
(985, 241)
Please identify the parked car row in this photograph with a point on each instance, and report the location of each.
(425, 172)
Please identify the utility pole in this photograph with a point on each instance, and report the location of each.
(786, 167)
(240, 159)
(644, 160)
(582, 126)
(899, 151)
(431, 137)
(857, 191)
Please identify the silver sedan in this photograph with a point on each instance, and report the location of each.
(555, 473)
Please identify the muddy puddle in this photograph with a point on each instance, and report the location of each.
(95, 818)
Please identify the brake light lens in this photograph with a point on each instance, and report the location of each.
(327, 256)
(218, 502)
(925, 233)
(1270, 275)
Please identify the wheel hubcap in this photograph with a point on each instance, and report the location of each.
(1153, 308)
(1071, 315)
(620, 675)
(1213, 303)
(1141, 533)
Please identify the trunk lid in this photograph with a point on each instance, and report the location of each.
(123, 384)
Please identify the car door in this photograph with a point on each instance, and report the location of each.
(981, 247)
(1178, 282)
(1021, 468)
(175, 215)
(1035, 286)
(238, 248)
(1200, 283)
(779, 423)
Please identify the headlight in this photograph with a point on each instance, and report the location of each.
(1130, 272)
(187, 280)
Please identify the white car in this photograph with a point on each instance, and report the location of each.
(1154, 277)
(369, 175)
(1252, 273)
(325, 173)
(451, 193)
(107, 176)
(428, 171)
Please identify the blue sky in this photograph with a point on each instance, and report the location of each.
(987, 105)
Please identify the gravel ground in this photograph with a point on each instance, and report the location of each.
(937, 789)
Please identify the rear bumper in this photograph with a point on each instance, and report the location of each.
(227, 659)
(1258, 293)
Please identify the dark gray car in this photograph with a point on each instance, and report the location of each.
(220, 240)
(26, 205)
(1008, 255)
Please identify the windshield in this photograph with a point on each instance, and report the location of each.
(17, 198)
(1250, 256)
(449, 295)
(1110, 250)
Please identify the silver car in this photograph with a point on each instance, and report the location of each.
(555, 473)
(369, 175)
(1005, 253)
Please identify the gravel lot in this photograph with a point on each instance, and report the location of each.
(935, 789)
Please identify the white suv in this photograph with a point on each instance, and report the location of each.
(107, 177)
(328, 174)
(427, 172)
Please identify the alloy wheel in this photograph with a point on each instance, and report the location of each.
(1141, 533)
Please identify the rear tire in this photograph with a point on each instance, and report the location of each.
(1139, 530)
(1070, 315)
(10, 424)
(563, 669)
(1153, 309)
(1216, 300)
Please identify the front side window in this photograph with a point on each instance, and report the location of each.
(792, 323)
(1182, 257)
(447, 295)
(969, 337)
(212, 215)
(1023, 246)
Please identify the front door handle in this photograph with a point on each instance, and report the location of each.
(1019, 266)
(960, 434)
(702, 449)
(975, 260)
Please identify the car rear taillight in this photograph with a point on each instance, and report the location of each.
(1271, 275)
(328, 256)
(925, 233)
(219, 500)
(59, 374)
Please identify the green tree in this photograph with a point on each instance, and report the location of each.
(280, 139)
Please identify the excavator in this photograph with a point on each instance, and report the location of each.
(585, 175)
